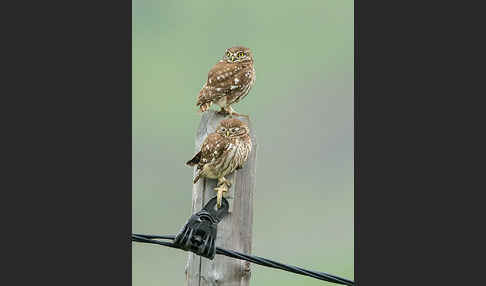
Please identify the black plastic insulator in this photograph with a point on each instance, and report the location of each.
(198, 235)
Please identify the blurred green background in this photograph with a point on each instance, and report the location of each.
(301, 107)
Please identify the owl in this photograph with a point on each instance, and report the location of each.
(222, 152)
(229, 81)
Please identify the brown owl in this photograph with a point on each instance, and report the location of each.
(229, 81)
(222, 152)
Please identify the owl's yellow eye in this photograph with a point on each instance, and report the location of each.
(228, 54)
(240, 54)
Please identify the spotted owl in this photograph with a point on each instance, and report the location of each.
(222, 152)
(228, 81)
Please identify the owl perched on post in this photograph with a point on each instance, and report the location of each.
(229, 81)
(222, 152)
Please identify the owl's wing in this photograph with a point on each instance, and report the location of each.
(213, 148)
(228, 77)
(223, 78)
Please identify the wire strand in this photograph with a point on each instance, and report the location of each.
(147, 238)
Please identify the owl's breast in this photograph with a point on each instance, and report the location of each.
(243, 149)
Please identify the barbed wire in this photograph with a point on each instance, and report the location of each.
(154, 239)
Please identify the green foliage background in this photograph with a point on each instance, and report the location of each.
(302, 110)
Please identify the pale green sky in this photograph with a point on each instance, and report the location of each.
(302, 110)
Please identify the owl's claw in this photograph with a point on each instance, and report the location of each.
(231, 112)
(240, 115)
(222, 181)
(223, 112)
(221, 188)
(219, 196)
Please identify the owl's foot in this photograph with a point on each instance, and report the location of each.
(229, 110)
(240, 115)
(224, 181)
(223, 112)
(220, 191)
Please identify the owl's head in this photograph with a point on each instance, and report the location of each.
(232, 127)
(238, 54)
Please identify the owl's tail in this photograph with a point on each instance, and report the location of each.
(198, 176)
(204, 106)
(202, 100)
(194, 161)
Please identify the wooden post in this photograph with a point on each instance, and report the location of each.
(235, 230)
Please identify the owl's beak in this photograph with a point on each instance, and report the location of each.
(233, 58)
(227, 133)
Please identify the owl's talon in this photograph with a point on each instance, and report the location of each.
(223, 112)
(240, 115)
(229, 110)
(219, 196)
(222, 181)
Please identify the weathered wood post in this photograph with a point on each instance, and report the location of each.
(235, 230)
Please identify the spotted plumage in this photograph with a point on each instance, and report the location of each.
(229, 81)
(222, 152)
